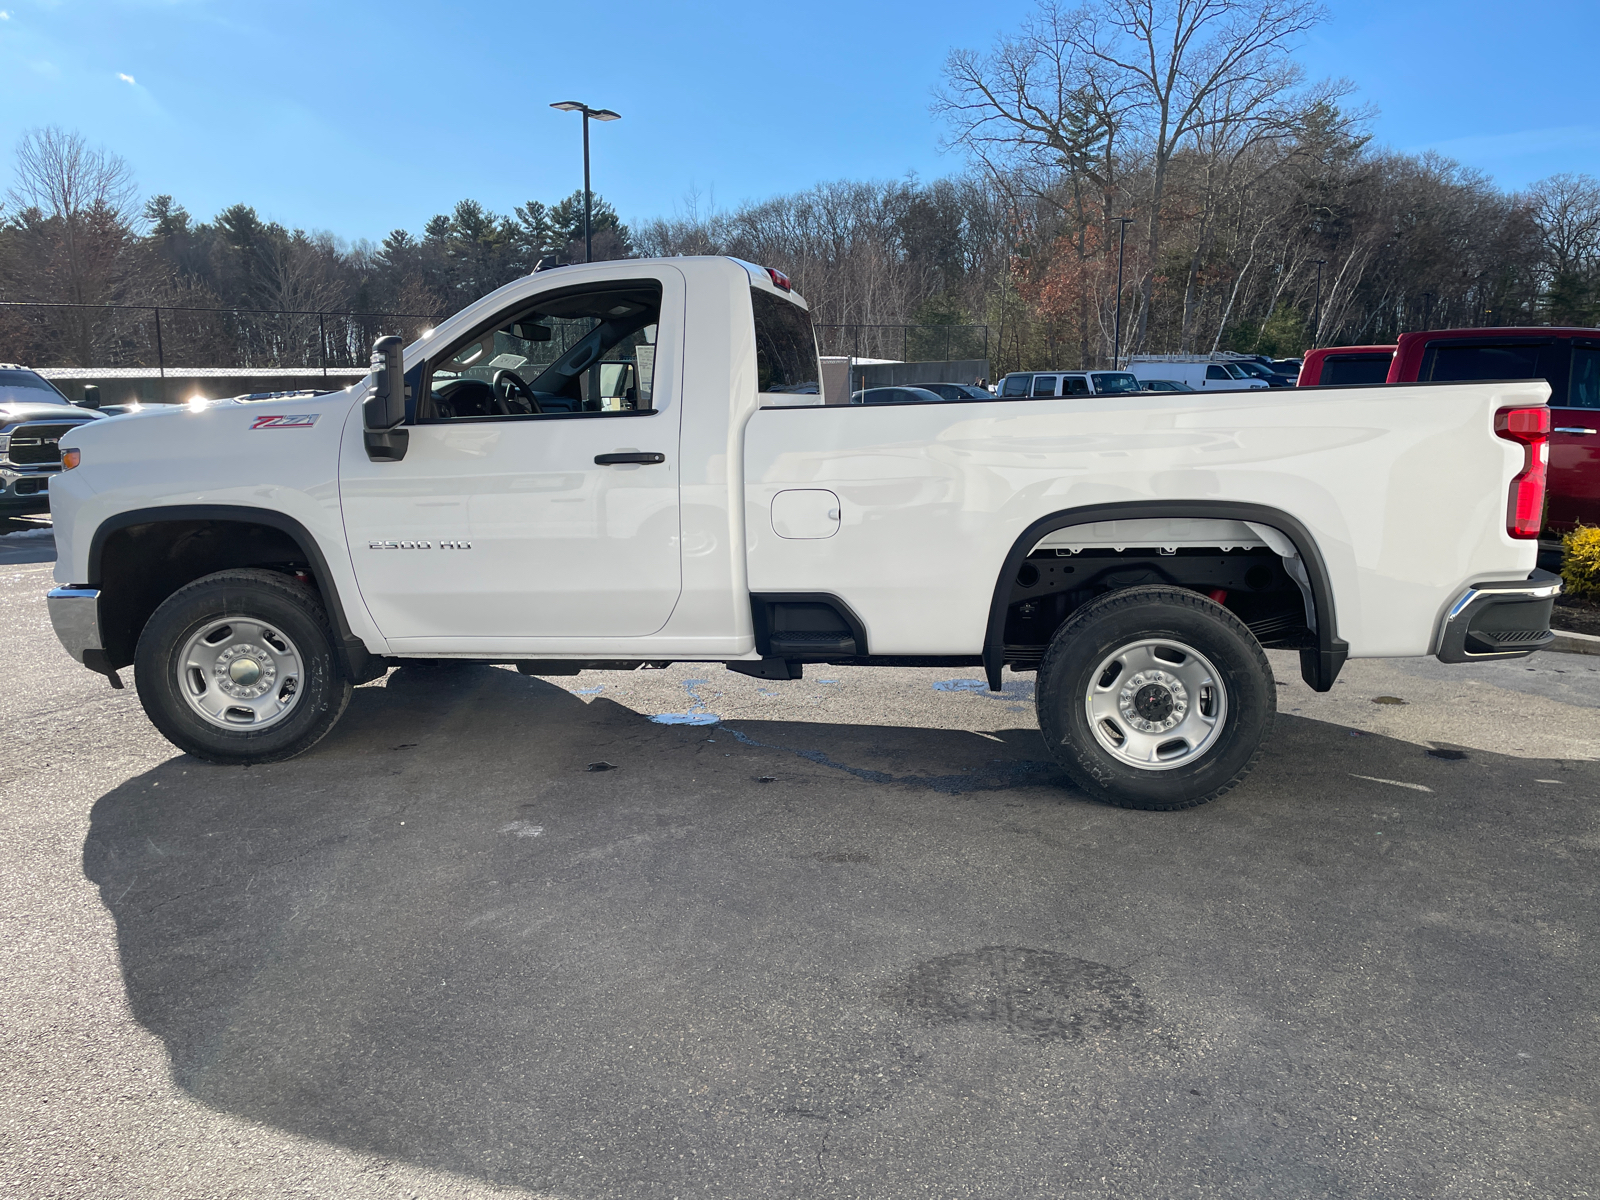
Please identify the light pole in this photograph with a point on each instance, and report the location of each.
(1316, 311)
(599, 114)
(1122, 224)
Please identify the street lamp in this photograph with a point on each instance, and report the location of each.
(599, 114)
(1316, 312)
(1122, 224)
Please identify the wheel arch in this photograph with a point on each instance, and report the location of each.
(1319, 666)
(256, 536)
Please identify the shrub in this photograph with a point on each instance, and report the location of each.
(1580, 562)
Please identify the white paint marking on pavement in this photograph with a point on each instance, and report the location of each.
(522, 829)
(1415, 787)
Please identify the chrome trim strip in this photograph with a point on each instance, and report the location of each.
(75, 613)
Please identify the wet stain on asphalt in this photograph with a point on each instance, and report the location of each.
(1034, 994)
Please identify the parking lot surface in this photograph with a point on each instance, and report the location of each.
(689, 934)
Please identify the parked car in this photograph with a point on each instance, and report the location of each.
(1345, 365)
(1200, 374)
(257, 559)
(1261, 371)
(958, 391)
(1568, 359)
(896, 395)
(1163, 385)
(1047, 384)
(1289, 368)
(33, 417)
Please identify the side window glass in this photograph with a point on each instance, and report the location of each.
(1215, 372)
(1044, 385)
(1465, 363)
(1585, 389)
(1015, 385)
(1076, 386)
(786, 348)
(589, 352)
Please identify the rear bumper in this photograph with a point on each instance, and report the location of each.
(1500, 619)
(75, 613)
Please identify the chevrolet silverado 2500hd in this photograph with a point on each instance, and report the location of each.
(618, 464)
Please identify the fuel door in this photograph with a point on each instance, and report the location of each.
(801, 513)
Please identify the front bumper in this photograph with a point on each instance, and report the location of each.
(1507, 618)
(25, 490)
(75, 613)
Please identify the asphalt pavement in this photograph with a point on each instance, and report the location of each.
(690, 934)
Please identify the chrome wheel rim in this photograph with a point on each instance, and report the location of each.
(1156, 704)
(238, 673)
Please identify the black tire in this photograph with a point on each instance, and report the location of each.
(1100, 630)
(272, 599)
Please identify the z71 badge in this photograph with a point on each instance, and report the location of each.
(296, 421)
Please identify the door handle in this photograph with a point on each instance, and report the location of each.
(628, 456)
(1575, 429)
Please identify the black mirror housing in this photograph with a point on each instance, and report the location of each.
(91, 396)
(384, 410)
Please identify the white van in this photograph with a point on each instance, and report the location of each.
(1201, 374)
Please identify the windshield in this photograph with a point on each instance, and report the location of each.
(1115, 381)
(1235, 370)
(24, 387)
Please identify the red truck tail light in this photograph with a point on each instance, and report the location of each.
(779, 279)
(1525, 505)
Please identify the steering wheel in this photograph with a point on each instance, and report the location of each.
(510, 388)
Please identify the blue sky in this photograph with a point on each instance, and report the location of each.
(359, 117)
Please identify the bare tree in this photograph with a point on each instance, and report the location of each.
(75, 207)
(1165, 73)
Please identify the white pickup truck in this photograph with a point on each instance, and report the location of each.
(628, 464)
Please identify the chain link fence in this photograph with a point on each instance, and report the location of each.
(40, 334)
(49, 334)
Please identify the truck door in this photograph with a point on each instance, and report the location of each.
(1574, 489)
(538, 496)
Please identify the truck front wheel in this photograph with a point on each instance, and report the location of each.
(1155, 698)
(239, 667)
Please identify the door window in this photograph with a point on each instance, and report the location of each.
(1216, 372)
(1075, 385)
(1014, 385)
(1115, 381)
(1044, 385)
(582, 353)
(1585, 390)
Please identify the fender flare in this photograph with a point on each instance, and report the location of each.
(359, 662)
(1319, 666)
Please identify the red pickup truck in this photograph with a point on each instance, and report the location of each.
(1567, 359)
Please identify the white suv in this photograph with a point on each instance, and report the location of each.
(1041, 384)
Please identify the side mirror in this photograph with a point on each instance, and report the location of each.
(384, 410)
(91, 396)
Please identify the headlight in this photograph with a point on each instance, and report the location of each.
(70, 459)
(5, 443)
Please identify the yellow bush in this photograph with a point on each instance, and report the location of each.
(1580, 562)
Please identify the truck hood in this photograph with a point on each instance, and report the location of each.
(26, 411)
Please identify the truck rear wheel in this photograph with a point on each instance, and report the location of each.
(239, 667)
(1155, 698)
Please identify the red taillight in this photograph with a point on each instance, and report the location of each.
(779, 279)
(1525, 505)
